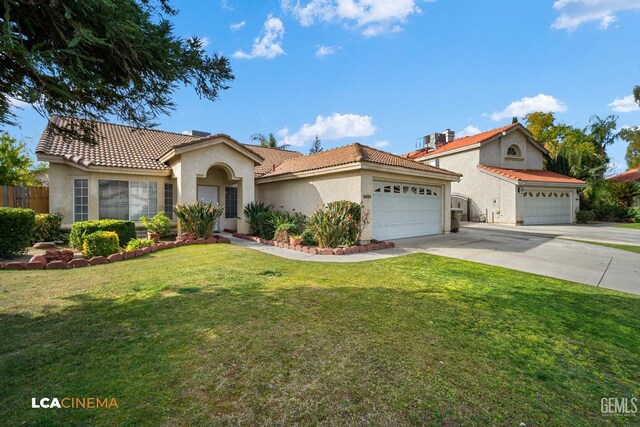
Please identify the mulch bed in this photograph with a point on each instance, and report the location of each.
(315, 250)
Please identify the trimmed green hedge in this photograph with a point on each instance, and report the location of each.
(100, 243)
(16, 230)
(48, 227)
(126, 230)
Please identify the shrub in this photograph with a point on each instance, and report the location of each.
(160, 224)
(283, 231)
(126, 230)
(198, 218)
(584, 217)
(16, 229)
(268, 222)
(100, 243)
(308, 239)
(139, 244)
(251, 211)
(47, 227)
(338, 223)
(634, 214)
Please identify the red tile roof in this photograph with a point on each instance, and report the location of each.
(532, 175)
(354, 153)
(129, 147)
(461, 142)
(272, 157)
(630, 175)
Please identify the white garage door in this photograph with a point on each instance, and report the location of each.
(405, 210)
(547, 207)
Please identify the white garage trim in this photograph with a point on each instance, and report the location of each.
(547, 206)
(405, 210)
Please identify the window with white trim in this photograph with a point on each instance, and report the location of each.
(127, 199)
(80, 199)
(168, 199)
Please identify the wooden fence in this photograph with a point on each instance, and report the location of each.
(36, 198)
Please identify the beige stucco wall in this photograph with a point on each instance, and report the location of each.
(495, 153)
(193, 165)
(61, 188)
(490, 196)
(306, 194)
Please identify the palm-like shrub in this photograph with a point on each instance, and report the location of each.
(338, 223)
(251, 211)
(198, 218)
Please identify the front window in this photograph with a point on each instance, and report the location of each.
(80, 199)
(127, 200)
(231, 202)
(168, 199)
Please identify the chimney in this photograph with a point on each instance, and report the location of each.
(449, 135)
(198, 133)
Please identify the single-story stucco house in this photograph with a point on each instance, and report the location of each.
(503, 177)
(132, 172)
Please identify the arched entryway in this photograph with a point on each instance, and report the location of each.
(220, 185)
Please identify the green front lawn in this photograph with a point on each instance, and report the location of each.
(633, 225)
(219, 334)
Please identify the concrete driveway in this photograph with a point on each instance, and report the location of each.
(545, 250)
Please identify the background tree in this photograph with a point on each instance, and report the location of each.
(624, 192)
(316, 147)
(16, 166)
(636, 94)
(268, 141)
(632, 137)
(98, 58)
(572, 151)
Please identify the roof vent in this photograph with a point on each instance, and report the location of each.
(198, 133)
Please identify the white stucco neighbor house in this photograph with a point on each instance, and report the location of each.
(132, 172)
(503, 177)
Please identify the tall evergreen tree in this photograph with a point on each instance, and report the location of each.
(316, 147)
(95, 59)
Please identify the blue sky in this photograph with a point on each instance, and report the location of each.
(384, 73)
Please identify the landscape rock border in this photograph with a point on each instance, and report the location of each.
(314, 250)
(39, 262)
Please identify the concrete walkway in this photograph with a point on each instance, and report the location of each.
(549, 252)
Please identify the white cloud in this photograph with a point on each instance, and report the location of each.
(204, 42)
(526, 105)
(325, 51)
(371, 17)
(625, 105)
(335, 126)
(574, 13)
(381, 144)
(237, 26)
(225, 5)
(14, 102)
(468, 131)
(268, 45)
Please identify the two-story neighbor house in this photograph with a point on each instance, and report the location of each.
(503, 177)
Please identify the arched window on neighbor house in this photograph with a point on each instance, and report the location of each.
(514, 151)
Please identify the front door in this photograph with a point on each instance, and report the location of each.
(209, 193)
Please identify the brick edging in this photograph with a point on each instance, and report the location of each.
(38, 262)
(313, 250)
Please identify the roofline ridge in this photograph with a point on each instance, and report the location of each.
(125, 126)
(269, 148)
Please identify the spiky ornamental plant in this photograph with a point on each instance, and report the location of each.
(198, 218)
